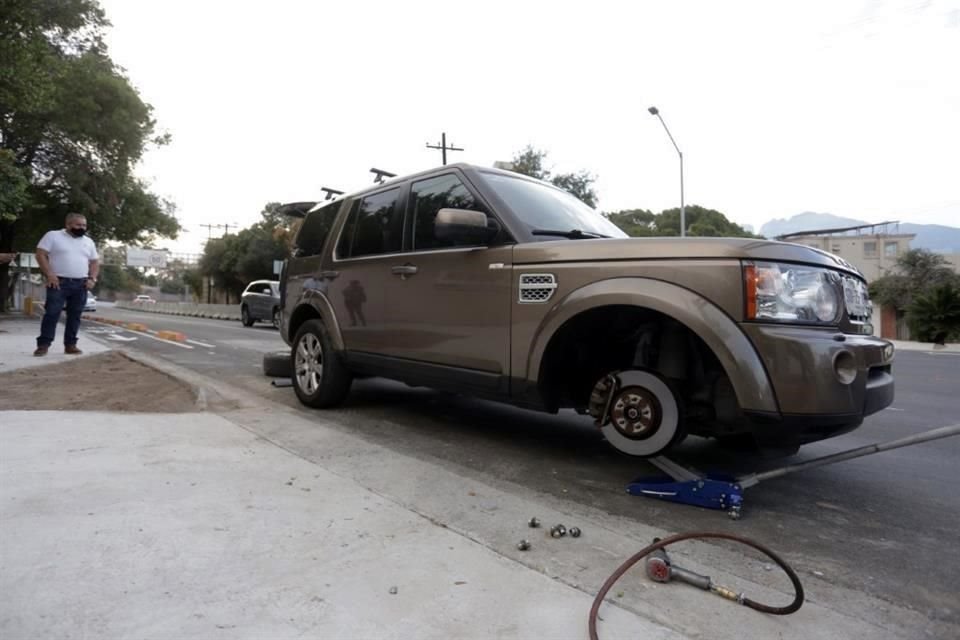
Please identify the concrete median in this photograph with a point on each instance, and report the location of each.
(229, 312)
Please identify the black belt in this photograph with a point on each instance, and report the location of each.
(72, 279)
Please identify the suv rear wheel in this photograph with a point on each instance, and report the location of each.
(319, 377)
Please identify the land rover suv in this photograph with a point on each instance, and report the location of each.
(488, 283)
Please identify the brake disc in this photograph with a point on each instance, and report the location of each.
(637, 412)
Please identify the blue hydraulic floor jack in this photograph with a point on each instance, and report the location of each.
(726, 492)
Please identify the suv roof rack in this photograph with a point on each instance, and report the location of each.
(331, 193)
(381, 174)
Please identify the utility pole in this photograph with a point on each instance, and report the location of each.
(443, 146)
(226, 227)
(210, 228)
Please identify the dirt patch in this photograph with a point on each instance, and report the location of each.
(105, 382)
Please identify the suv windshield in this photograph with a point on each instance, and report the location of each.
(544, 207)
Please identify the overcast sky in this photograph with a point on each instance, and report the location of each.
(851, 108)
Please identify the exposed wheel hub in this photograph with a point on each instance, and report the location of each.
(635, 413)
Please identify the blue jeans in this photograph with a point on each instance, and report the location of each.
(72, 294)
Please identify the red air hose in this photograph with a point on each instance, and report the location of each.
(701, 535)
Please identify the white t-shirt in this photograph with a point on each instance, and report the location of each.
(69, 256)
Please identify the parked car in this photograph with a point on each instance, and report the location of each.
(144, 299)
(91, 304)
(493, 284)
(260, 301)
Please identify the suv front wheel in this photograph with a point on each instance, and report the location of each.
(319, 377)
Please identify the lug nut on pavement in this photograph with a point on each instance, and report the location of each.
(558, 531)
(574, 532)
(534, 523)
(523, 545)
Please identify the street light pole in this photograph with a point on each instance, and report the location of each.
(683, 212)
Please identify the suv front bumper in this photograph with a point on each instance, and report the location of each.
(825, 381)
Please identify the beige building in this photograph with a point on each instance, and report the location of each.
(873, 248)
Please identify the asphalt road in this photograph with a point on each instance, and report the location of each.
(884, 524)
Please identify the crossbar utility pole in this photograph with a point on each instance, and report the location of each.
(443, 147)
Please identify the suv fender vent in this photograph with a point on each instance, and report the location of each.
(537, 287)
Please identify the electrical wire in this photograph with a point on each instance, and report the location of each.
(702, 535)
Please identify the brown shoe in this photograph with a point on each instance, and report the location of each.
(72, 350)
(41, 351)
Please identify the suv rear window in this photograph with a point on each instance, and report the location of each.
(374, 227)
(315, 229)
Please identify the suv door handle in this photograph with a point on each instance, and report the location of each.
(404, 270)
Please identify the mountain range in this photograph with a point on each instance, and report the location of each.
(935, 237)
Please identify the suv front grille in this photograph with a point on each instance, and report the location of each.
(537, 287)
(856, 299)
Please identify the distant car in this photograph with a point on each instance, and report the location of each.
(91, 304)
(144, 300)
(261, 301)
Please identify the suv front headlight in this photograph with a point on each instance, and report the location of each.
(781, 292)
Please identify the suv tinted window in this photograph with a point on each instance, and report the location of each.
(315, 229)
(374, 227)
(427, 197)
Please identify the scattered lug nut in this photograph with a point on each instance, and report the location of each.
(534, 523)
(558, 531)
(523, 545)
(575, 532)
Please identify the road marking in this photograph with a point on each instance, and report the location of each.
(114, 336)
(147, 335)
(202, 344)
(894, 409)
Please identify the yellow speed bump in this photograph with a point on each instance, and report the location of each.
(175, 336)
(136, 326)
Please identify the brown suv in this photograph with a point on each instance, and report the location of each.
(492, 284)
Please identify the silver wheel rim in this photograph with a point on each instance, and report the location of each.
(308, 363)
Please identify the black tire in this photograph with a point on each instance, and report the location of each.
(313, 349)
(245, 317)
(278, 364)
(276, 317)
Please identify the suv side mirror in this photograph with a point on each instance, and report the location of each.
(464, 226)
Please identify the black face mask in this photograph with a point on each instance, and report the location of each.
(78, 233)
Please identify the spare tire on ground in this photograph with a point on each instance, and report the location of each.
(277, 364)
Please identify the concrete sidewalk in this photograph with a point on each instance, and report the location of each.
(265, 522)
(18, 339)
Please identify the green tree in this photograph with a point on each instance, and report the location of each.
(934, 316)
(700, 222)
(235, 260)
(73, 127)
(219, 261)
(114, 278)
(531, 162)
(916, 271)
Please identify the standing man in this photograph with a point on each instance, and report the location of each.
(69, 261)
